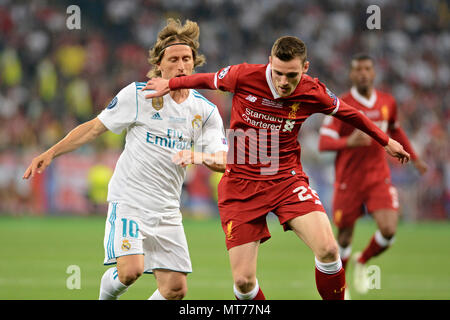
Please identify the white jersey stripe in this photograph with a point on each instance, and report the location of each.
(329, 132)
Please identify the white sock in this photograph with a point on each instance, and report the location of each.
(249, 295)
(157, 296)
(382, 241)
(329, 267)
(346, 252)
(110, 287)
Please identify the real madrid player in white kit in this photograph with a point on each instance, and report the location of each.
(144, 231)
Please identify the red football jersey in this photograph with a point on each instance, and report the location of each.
(264, 127)
(366, 164)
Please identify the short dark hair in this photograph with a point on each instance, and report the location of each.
(287, 48)
(361, 56)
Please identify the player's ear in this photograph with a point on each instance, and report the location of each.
(305, 66)
(270, 59)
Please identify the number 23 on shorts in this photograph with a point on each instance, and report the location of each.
(305, 194)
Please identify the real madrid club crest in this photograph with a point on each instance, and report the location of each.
(197, 122)
(126, 245)
(158, 103)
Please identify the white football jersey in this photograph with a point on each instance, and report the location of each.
(145, 176)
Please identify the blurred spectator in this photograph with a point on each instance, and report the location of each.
(52, 78)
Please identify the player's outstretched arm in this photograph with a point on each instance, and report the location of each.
(82, 134)
(420, 165)
(214, 161)
(398, 134)
(193, 81)
(159, 85)
(395, 149)
(357, 119)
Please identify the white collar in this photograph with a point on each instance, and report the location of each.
(368, 103)
(270, 83)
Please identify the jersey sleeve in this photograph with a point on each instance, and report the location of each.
(121, 111)
(328, 102)
(397, 133)
(226, 79)
(212, 138)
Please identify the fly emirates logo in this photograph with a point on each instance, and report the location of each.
(262, 120)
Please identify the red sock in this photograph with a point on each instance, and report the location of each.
(259, 295)
(372, 250)
(331, 286)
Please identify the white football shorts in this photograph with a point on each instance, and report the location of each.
(160, 238)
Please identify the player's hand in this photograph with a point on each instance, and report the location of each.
(358, 139)
(395, 149)
(160, 85)
(38, 164)
(421, 166)
(187, 157)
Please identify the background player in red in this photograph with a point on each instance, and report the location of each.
(264, 174)
(362, 172)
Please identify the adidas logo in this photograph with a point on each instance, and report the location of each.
(156, 116)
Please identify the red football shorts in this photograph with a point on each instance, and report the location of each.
(348, 202)
(244, 205)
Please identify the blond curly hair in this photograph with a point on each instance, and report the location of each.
(175, 32)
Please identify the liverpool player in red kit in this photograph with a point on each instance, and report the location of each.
(362, 171)
(264, 173)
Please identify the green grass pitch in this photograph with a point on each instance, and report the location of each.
(36, 252)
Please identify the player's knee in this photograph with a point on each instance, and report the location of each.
(328, 252)
(244, 284)
(174, 292)
(130, 275)
(388, 231)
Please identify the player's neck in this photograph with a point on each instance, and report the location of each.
(179, 95)
(365, 92)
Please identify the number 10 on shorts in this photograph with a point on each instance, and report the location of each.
(129, 228)
(306, 194)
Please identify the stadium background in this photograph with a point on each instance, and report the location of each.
(53, 78)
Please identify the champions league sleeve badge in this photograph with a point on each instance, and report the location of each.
(112, 104)
(332, 96)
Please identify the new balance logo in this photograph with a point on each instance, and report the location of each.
(156, 116)
(251, 98)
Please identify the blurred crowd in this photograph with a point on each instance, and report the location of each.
(53, 78)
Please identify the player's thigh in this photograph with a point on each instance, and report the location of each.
(387, 220)
(243, 260)
(130, 266)
(383, 205)
(315, 230)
